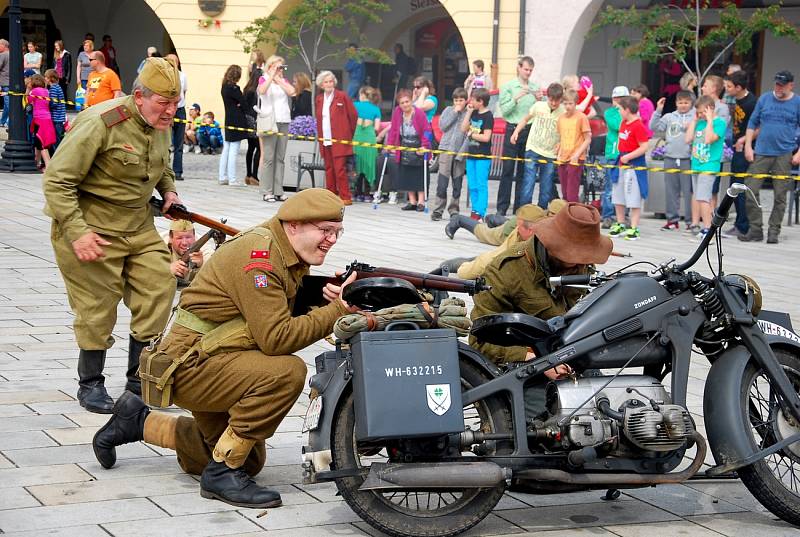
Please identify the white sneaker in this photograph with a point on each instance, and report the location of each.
(237, 183)
(185, 149)
(223, 182)
(197, 150)
(392, 198)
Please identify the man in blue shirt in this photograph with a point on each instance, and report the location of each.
(355, 71)
(777, 118)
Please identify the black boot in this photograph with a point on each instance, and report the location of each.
(134, 350)
(235, 487)
(125, 426)
(452, 265)
(92, 394)
(458, 221)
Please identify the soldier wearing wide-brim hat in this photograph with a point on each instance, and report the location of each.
(97, 189)
(239, 393)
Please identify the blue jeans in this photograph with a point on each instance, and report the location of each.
(6, 106)
(546, 173)
(208, 140)
(178, 128)
(227, 163)
(478, 183)
(740, 165)
(606, 207)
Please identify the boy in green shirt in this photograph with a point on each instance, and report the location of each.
(706, 133)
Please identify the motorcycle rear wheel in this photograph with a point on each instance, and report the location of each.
(774, 480)
(412, 513)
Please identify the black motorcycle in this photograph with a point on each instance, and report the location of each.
(423, 435)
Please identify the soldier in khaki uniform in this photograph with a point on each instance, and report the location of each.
(181, 238)
(568, 243)
(97, 189)
(239, 392)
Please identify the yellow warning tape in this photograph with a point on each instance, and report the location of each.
(387, 147)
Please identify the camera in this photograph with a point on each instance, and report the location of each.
(284, 67)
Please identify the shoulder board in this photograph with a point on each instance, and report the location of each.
(515, 251)
(115, 115)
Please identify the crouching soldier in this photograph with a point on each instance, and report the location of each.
(229, 353)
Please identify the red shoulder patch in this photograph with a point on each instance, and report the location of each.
(259, 254)
(263, 265)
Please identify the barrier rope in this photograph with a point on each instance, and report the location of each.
(387, 147)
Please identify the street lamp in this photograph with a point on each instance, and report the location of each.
(17, 154)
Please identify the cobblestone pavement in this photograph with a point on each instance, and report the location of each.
(51, 483)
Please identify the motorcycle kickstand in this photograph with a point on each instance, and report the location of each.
(611, 495)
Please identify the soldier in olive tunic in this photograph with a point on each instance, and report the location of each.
(567, 243)
(239, 395)
(97, 189)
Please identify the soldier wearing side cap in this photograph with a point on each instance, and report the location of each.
(97, 190)
(180, 239)
(496, 228)
(239, 394)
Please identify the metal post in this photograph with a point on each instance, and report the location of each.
(17, 154)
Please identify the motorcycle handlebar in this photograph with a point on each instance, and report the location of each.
(716, 222)
(576, 279)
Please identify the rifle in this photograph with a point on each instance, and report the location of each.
(218, 237)
(180, 212)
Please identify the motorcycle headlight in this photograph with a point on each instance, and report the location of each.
(749, 291)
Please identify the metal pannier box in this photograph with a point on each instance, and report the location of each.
(406, 383)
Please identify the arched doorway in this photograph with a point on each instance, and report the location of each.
(441, 56)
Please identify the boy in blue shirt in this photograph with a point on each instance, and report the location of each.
(706, 133)
(209, 135)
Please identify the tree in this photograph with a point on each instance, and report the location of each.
(308, 24)
(672, 30)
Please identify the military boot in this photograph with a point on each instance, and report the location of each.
(233, 486)
(92, 394)
(458, 221)
(124, 427)
(135, 348)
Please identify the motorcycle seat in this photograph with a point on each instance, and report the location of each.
(513, 329)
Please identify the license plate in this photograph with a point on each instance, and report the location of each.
(312, 414)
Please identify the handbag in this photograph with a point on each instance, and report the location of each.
(410, 158)
(266, 114)
(252, 124)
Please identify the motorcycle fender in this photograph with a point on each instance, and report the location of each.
(336, 386)
(725, 425)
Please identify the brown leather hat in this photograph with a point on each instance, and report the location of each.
(573, 235)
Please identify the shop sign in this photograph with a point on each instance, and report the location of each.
(422, 4)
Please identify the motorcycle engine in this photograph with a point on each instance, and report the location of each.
(639, 416)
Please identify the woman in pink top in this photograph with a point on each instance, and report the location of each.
(44, 133)
(646, 106)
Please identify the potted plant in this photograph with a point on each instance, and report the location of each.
(302, 143)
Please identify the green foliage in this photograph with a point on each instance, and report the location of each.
(301, 29)
(669, 30)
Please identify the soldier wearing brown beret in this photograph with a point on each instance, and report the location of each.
(239, 394)
(97, 189)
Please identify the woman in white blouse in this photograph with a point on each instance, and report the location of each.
(274, 114)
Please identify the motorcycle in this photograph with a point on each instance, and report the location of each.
(422, 434)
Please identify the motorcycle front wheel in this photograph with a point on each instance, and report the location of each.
(774, 480)
(427, 513)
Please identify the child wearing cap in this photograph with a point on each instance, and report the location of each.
(190, 135)
(630, 186)
(613, 122)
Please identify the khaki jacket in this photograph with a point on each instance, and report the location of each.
(519, 280)
(105, 170)
(475, 268)
(257, 275)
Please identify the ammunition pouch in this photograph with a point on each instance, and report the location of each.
(156, 368)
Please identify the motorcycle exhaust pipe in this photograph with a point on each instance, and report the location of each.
(621, 479)
(434, 475)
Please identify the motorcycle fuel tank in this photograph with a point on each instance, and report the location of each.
(613, 302)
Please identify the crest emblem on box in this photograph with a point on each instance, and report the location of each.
(438, 398)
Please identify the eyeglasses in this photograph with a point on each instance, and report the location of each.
(330, 232)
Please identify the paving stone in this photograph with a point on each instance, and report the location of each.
(191, 503)
(226, 523)
(302, 516)
(139, 467)
(59, 516)
(67, 454)
(682, 528)
(24, 440)
(27, 477)
(34, 423)
(15, 411)
(547, 500)
(118, 489)
(731, 491)
(683, 501)
(746, 525)
(327, 530)
(16, 498)
(67, 408)
(72, 531)
(279, 475)
(72, 436)
(582, 515)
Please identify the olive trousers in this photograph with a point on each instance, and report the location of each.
(135, 269)
(247, 390)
